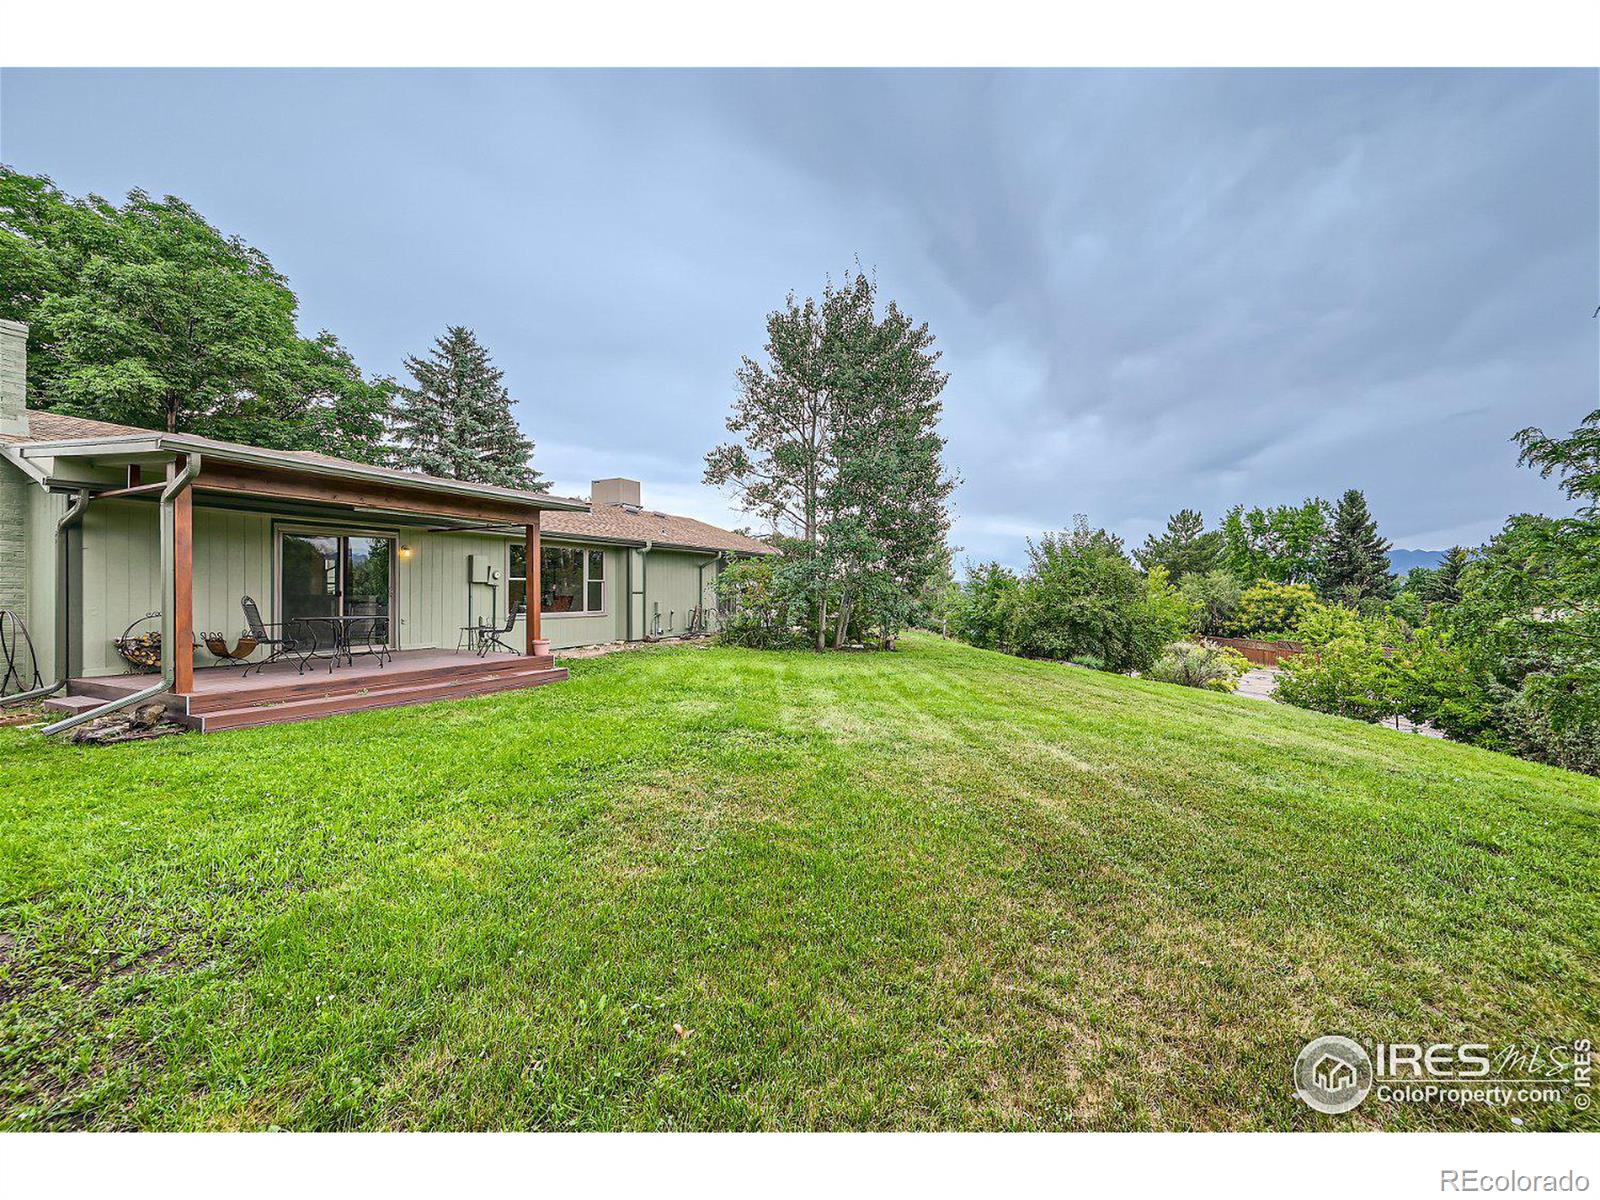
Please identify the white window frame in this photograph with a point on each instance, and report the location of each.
(604, 581)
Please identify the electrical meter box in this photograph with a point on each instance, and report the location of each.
(483, 569)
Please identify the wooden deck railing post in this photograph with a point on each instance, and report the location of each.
(183, 590)
(531, 558)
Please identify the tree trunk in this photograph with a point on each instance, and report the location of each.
(844, 624)
(822, 622)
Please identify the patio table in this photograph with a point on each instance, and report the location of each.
(339, 635)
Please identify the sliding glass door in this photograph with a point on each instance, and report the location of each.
(337, 575)
(368, 567)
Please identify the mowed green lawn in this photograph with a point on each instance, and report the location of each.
(723, 889)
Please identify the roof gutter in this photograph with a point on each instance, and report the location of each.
(501, 529)
(12, 453)
(177, 443)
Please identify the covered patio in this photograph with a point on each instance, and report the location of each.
(193, 530)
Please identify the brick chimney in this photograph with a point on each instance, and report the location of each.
(615, 491)
(14, 485)
(13, 377)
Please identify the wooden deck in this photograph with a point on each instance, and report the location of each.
(224, 698)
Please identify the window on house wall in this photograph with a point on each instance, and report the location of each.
(517, 575)
(571, 580)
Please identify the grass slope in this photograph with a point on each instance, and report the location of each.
(939, 888)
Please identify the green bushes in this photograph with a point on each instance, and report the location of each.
(1528, 730)
(771, 604)
(1452, 678)
(1376, 669)
(1213, 598)
(1505, 656)
(758, 605)
(1083, 600)
(1271, 610)
(1196, 665)
(1320, 624)
(1437, 680)
(986, 612)
(1347, 675)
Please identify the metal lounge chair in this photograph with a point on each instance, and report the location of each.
(274, 636)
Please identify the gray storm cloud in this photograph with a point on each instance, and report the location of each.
(1153, 289)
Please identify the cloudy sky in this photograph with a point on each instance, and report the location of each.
(1152, 289)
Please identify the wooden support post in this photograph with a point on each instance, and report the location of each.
(531, 569)
(183, 590)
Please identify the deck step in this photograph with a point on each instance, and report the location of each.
(320, 683)
(73, 705)
(109, 687)
(477, 683)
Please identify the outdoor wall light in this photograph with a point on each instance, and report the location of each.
(405, 553)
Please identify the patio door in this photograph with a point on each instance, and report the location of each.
(337, 575)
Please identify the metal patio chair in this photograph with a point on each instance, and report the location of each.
(275, 636)
(371, 634)
(491, 638)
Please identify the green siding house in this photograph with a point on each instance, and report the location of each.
(103, 527)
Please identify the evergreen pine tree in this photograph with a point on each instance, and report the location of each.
(1185, 549)
(1356, 562)
(1446, 582)
(456, 422)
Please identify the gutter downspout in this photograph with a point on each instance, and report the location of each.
(71, 517)
(627, 620)
(644, 590)
(169, 603)
(705, 624)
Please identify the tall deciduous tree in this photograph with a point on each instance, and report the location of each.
(1355, 563)
(1186, 548)
(1283, 544)
(1534, 592)
(144, 314)
(782, 418)
(884, 505)
(839, 444)
(456, 421)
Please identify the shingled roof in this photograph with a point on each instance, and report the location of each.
(57, 427)
(624, 523)
(611, 522)
(51, 427)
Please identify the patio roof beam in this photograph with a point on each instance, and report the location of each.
(358, 494)
(117, 448)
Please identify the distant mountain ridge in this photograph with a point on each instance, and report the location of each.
(1401, 561)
